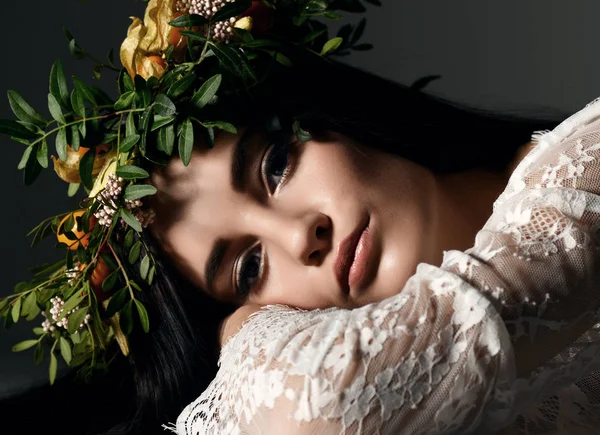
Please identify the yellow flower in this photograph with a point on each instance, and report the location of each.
(244, 23)
(69, 169)
(146, 41)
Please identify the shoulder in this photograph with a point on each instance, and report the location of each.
(233, 323)
(522, 151)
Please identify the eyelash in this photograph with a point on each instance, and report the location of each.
(246, 271)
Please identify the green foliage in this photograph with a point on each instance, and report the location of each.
(145, 124)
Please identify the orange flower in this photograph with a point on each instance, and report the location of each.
(83, 238)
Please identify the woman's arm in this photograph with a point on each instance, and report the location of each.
(464, 347)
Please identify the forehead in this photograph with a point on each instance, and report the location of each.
(197, 204)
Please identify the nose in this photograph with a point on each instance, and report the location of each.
(306, 238)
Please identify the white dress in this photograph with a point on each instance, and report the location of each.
(502, 338)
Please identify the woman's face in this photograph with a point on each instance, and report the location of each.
(324, 223)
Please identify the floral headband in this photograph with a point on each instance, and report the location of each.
(178, 62)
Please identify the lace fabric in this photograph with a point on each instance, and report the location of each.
(502, 338)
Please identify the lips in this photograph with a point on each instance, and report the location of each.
(350, 262)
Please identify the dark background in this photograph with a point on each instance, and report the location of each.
(525, 57)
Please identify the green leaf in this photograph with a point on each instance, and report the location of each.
(73, 188)
(225, 126)
(130, 172)
(16, 310)
(65, 350)
(129, 237)
(144, 266)
(86, 91)
(161, 121)
(163, 106)
(117, 301)
(111, 280)
(75, 138)
(33, 312)
(166, 139)
(38, 354)
(180, 86)
(131, 220)
(76, 319)
(55, 110)
(312, 36)
(14, 129)
(144, 320)
(58, 84)
(125, 319)
(3, 303)
(135, 286)
(24, 345)
(42, 154)
(151, 274)
(195, 36)
(61, 144)
(144, 93)
(77, 103)
(31, 172)
(26, 156)
(262, 43)
(191, 20)
(52, 369)
(29, 303)
(134, 253)
(138, 191)
(331, 45)
(125, 101)
(207, 91)
(231, 60)
(128, 143)
(130, 128)
(283, 59)
(124, 82)
(23, 110)
(82, 128)
(231, 10)
(72, 302)
(332, 15)
(186, 141)
(86, 167)
(145, 121)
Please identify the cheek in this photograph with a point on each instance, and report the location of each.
(332, 169)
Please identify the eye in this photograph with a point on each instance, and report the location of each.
(248, 269)
(276, 165)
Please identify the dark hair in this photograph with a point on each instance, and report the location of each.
(174, 363)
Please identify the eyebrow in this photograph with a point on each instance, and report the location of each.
(213, 264)
(239, 163)
(238, 176)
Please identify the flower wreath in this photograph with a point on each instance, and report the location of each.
(177, 63)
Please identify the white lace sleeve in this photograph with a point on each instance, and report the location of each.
(484, 342)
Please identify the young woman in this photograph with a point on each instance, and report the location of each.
(384, 276)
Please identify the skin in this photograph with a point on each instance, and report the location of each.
(334, 185)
